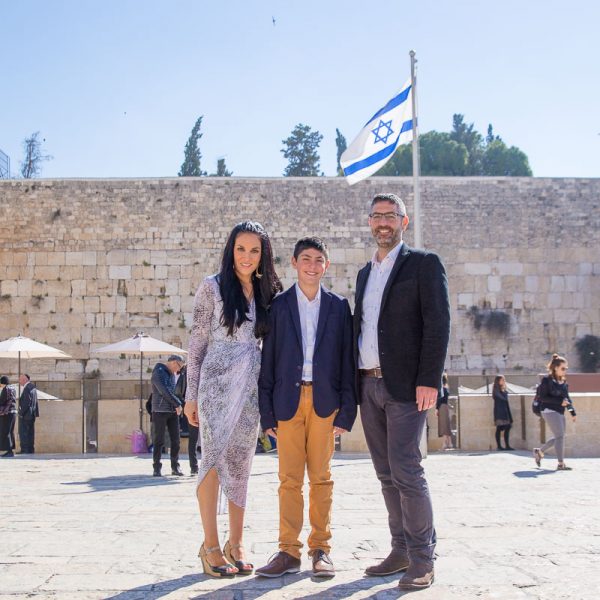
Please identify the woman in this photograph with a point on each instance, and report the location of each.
(230, 319)
(443, 415)
(8, 415)
(553, 392)
(502, 415)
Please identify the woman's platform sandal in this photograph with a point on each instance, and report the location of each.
(244, 568)
(563, 467)
(227, 570)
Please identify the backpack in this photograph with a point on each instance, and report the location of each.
(536, 405)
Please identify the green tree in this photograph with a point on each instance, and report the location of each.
(461, 152)
(221, 169)
(191, 161)
(300, 150)
(500, 160)
(400, 165)
(439, 155)
(471, 139)
(341, 145)
(490, 137)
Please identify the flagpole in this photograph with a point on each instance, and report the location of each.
(415, 153)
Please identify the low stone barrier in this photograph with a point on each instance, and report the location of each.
(61, 426)
(476, 424)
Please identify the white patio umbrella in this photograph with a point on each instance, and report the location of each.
(511, 388)
(41, 395)
(141, 344)
(24, 347)
(462, 389)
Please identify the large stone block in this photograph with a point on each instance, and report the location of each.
(20, 259)
(46, 272)
(477, 268)
(9, 288)
(509, 268)
(71, 272)
(117, 257)
(119, 272)
(58, 289)
(91, 304)
(494, 283)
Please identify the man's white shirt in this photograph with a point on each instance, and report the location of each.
(368, 343)
(309, 319)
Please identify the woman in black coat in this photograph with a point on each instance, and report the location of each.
(553, 392)
(502, 415)
(443, 415)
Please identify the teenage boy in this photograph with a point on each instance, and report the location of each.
(306, 397)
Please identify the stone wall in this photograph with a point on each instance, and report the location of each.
(84, 263)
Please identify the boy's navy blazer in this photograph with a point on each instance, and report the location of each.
(282, 360)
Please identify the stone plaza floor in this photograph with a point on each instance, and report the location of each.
(82, 527)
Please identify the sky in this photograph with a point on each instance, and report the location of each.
(114, 87)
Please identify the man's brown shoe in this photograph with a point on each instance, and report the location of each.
(415, 581)
(280, 564)
(322, 564)
(395, 562)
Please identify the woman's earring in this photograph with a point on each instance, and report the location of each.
(258, 273)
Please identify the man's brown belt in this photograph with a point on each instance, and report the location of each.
(376, 372)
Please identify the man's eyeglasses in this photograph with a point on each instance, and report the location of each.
(391, 216)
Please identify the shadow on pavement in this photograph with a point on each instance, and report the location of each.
(256, 587)
(253, 588)
(157, 590)
(536, 473)
(124, 482)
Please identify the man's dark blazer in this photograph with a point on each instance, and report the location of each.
(414, 323)
(28, 403)
(283, 358)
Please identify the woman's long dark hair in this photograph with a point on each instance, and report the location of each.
(497, 385)
(235, 304)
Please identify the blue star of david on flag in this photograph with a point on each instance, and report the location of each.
(378, 136)
(377, 141)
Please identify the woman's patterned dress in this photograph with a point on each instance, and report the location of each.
(223, 377)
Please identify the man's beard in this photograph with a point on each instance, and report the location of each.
(389, 242)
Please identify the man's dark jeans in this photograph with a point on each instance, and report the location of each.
(192, 446)
(393, 431)
(27, 435)
(162, 421)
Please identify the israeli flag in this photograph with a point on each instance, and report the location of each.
(379, 138)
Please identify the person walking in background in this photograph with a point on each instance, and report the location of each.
(230, 320)
(192, 430)
(553, 392)
(28, 412)
(306, 397)
(401, 333)
(166, 408)
(8, 415)
(502, 415)
(443, 414)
